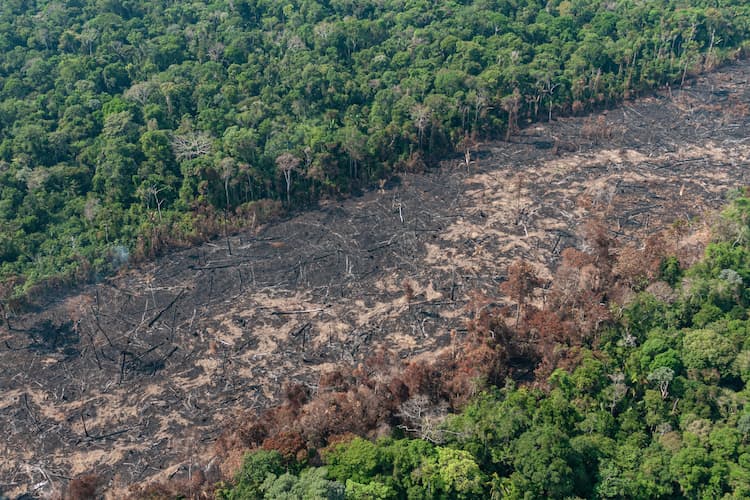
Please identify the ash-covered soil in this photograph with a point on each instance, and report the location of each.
(133, 378)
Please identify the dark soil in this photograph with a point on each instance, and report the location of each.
(134, 378)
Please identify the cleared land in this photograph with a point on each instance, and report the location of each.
(134, 378)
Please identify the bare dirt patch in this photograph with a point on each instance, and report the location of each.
(134, 378)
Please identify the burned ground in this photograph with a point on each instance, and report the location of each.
(134, 378)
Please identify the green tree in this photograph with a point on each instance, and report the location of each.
(546, 466)
(705, 349)
(257, 467)
(374, 490)
(310, 484)
(453, 474)
(358, 460)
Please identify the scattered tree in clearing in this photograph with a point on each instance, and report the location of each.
(520, 286)
(466, 145)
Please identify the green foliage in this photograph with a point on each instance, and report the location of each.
(704, 349)
(374, 490)
(263, 476)
(453, 474)
(356, 460)
(546, 465)
(122, 121)
(670, 270)
(643, 314)
(251, 478)
(406, 457)
(310, 484)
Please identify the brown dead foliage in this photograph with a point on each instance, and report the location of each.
(290, 445)
(596, 129)
(368, 397)
(84, 487)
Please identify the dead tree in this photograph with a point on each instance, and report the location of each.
(522, 280)
(6, 290)
(140, 92)
(512, 104)
(191, 145)
(287, 163)
(467, 145)
(421, 115)
(423, 418)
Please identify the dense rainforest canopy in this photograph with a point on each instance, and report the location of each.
(128, 126)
